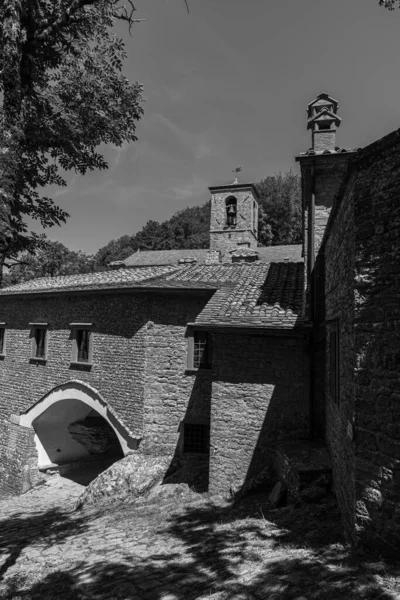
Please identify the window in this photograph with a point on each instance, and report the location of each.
(199, 349)
(2, 339)
(231, 211)
(81, 335)
(196, 438)
(39, 341)
(334, 361)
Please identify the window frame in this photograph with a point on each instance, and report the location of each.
(195, 423)
(75, 328)
(191, 334)
(3, 339)
(35, 327)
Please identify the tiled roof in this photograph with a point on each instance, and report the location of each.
(172, 257)
(291, 253)
(267, 296)
(312, 152)
(264, 295)
(103, 279)
(255, 295)
(163, 257)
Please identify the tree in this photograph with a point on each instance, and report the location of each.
(63, 94)
(390, 4)
(280, 204)
(188, 228)
(50, 261)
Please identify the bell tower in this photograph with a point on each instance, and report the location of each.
(234, 218)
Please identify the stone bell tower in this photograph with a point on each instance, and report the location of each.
(234, 218)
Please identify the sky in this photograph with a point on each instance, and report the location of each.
(226, 85)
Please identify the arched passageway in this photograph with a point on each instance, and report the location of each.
(76, 432)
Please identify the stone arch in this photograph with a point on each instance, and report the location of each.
(71, 401)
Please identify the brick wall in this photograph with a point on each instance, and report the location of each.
(138, 343)
(259, 395)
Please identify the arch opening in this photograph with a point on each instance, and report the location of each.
(76, 433)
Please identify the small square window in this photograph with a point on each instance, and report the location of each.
(39, 341)
(196, 438)
(81, 343)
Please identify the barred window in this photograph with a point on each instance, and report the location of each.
(196, 438)
(201, 350)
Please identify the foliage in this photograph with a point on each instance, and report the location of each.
(390, 4)
(50, 261)
(280, 204)
(63, 94)
(188, 228)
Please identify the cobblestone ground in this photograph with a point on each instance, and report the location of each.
(202, 550)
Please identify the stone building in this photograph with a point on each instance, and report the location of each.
(198, 355)
(229, 359)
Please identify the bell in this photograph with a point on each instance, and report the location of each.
(231, 210)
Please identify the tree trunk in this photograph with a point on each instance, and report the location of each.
(11, 134)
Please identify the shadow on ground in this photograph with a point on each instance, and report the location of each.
(215, 551)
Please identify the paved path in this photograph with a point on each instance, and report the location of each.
(201, 551)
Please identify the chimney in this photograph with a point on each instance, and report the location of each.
(323, 121)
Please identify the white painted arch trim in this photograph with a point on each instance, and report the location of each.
(79, 390)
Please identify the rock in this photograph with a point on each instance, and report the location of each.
(132, 477)
(94, 434)
(277, 494)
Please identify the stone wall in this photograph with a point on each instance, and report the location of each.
(259, 396)
(362, 253)
(138, 343)
(339, 308)
(377, 340)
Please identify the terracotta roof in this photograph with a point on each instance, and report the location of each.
(103, 279)
(172, 257)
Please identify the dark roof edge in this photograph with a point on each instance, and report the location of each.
(311, 157)
(110, 290)
(234, 186)
(383, 143)
(361, 156)
(298, 330)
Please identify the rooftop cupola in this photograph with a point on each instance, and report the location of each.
(323, 121)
